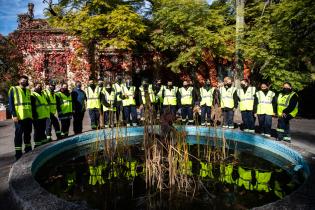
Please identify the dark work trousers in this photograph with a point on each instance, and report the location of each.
(23, 130)
(78, 122)
(39, 132)
(187, 112)
(172, 109)
(158, 109)
(65, 125)
(265, 123)
(228, 116)
(130, 111)
(205, 112)
(95, 118)
(119, 108)
(248, 120)
(52, 122)
(109, 117)
(284, 127)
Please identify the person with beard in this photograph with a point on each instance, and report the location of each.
(170, 97)
(79, 105)
(52, 120)
(228, 102)
(93, 103)
(147, 98)
(187, 95)
(118, 90)
(108, 100)
(129, 103)
(287, 109)
(265, 108)
(41, 113)
(246, 97)
(21, 111)
(206, 102)
(64, 108)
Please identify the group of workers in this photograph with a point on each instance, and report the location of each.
(47, 108)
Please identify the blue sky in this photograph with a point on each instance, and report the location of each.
(10, 8)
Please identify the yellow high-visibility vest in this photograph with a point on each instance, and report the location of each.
(264, 105)
(226, 96)
(65, 103)
(110, 98)
(51, 100)
(245, 178)
(42, 106)
(170, 96)
(186, 96)
(206, 96)
(246, 99)
(22, 102)
(284, 101)
(118, 89)
(93, 98)
(226, 172)
(262, 179)
(130, 94)
(150, 92)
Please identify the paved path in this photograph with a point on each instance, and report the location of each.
(302, 130)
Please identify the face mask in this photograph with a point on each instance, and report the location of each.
(108, 89)
(24, 84)
(286, 90)
(79, 86)
(38, 90)
(52, 88)
(92, 85)
(243, 86)
(228, 85)
(264, 90)
(145, 85)
(186, 86)
(63, 89)
(100, 84)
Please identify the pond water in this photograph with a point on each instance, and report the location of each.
(244, 179)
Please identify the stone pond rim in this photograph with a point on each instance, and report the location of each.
(26, 193)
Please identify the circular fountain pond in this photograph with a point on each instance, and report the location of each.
(200, 168)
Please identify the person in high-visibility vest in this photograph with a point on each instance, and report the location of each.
(147, 99)
(109, 100)
(93, 103)
(100, 84)
(187, 95)
(228, 102)
(129, 103)
(287, 109)
(21, 111)
(41, 113)
(170, 97)
(246, 97)
(64, 108)
(52, 120)
(264, 108)
(157, 87)
(262, 180)
(117, 87)
(79, 106)
(206, 94)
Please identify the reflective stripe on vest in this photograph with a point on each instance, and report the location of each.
(96, 175)
(118, 89)
(130, 94)
(186, 96)
(170, 96)
(93, 98)
(22, 102)
(151, 94)
(226, 96)
(283, 103)
(110, 98)
(51, 101)
(206, 96)
(264, 105)
(42, 106)
(65, 103)
(246, 99)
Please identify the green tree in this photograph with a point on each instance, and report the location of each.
(99, 23)
(279, 40)
(190, 30)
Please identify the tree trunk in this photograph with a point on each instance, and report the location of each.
(91, 58)
(240, 23)
(209, 60)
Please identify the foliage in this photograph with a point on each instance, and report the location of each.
(109, 23)
(280, 41)
(188, 28)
